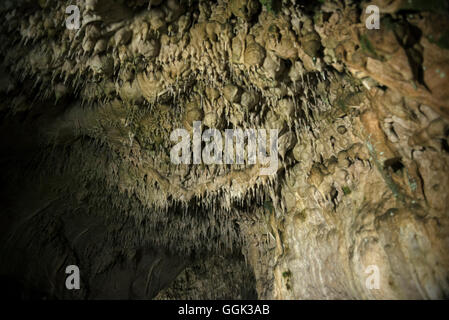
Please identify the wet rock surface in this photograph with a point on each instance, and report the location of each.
(86, 117)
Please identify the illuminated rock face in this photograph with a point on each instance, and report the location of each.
(358, 206)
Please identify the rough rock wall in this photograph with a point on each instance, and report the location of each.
(346, 211)
(363, 142)
(209, 279)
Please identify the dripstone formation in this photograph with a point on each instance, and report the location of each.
(363, 173)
